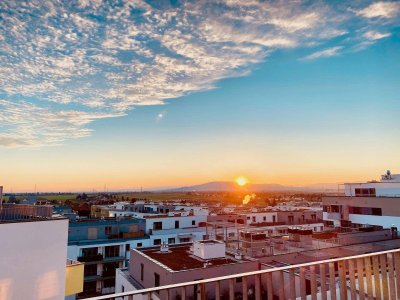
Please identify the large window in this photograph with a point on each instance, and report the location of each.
(89, 252)
(365, 192)
(372, 211)
(109, 269)
(111, 251)
(90, 270)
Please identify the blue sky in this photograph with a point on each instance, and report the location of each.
(199, 90)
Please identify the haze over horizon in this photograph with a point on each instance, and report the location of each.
(181, 93)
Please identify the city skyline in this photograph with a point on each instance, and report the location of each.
(158, 95)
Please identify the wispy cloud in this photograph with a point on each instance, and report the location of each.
(374, 35)
(64, 65)
(329, 52)
(380, 10)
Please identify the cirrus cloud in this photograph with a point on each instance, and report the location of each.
(65, 64)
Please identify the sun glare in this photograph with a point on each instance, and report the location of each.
(241, 181)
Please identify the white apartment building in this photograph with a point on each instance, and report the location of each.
(367, 203)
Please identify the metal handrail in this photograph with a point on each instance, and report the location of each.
(259, 272)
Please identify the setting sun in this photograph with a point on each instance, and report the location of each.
(241, 180)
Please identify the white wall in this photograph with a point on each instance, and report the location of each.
(259, 217)
(33, 260)
(121, 280)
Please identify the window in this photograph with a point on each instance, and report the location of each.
(122, 289)
(127, 247)
(264, 218)
(157, 225)
(274, 219)
(92, 233)
(156, 279)
(176, 224)
(141, 272)
(139, 245)
(108, 283)
(109, 269)
(254, 219)
(157, 242)
(184, 240)
(193, 222)
(248, 218)
(90, 270)
(90, 286)
(291, 219)
(372, 211)
(89, 252)
(239, 279)
(107, 230)
(111, 251)
(171, 240)
(365, 192)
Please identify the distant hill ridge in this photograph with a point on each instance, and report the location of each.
(226, 186)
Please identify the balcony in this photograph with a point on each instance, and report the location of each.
(90, 258)
(73, 277)
(367, 276)
(177, 230)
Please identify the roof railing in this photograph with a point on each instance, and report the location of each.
(366, 276)
(16, 212)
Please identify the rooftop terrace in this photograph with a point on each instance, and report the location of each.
(179, 258)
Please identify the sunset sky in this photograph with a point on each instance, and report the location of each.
(173, 93)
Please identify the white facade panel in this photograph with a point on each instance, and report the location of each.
(33, 260)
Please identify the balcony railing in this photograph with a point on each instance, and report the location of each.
(90, 258)
(177, 230)
(367, 276)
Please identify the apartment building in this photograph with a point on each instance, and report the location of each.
(169, 223)
(367, 203)
(209, 259)
(33, 255)
(103, 246)
(157, 266)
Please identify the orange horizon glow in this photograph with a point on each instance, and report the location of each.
(75, 178)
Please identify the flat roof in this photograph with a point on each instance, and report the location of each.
(334, 252)
(179, 258)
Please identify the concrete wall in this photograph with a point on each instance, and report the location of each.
(298, 216)
(259, 217)
(33, 260)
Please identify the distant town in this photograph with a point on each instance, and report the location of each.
(108, 244)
